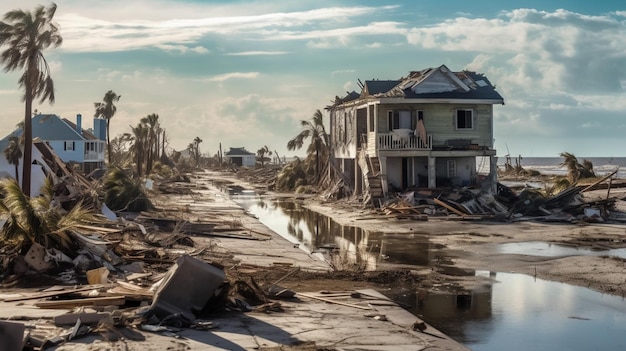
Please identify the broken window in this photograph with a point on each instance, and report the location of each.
(464, 119)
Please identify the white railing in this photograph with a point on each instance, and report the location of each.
(403, 141)
(93, 156)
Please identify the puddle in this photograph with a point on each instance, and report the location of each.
(537, 248)
(342, 245)
(508, 312)
(518, 312)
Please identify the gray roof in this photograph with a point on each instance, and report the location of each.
(50, 127)
(238, 151)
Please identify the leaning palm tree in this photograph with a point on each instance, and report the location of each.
(152, 122)
(13, 154)
(576, 170)
(26, 35)
(107, 109)
(315, 130)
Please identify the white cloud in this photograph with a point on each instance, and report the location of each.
(257, 53)
(234, 75)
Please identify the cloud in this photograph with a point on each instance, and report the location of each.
(257, 53)
(109, 35)
(234, 75)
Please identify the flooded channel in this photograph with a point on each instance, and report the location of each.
(507, 312)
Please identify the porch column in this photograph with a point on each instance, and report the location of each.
(493, 174)
(432, 172)
(358, 177)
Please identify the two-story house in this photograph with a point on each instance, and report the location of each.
(422, 131)
(69, 140)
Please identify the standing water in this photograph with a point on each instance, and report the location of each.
(508, 312)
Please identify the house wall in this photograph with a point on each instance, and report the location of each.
(465, 171)
(77, 155)
(440, 121)
(343, 132)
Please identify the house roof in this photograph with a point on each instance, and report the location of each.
(51, 127)
(432, 84)
(87, 134)
(238, 151)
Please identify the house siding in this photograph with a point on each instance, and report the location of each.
(439, 120)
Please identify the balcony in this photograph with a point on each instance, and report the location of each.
(403, 139)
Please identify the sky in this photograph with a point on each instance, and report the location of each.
(245, 73)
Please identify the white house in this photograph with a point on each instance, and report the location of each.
(240, 156)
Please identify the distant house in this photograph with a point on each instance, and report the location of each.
(69, 140)
(240, 156)
(422, 131)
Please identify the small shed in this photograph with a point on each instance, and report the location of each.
(240, 156)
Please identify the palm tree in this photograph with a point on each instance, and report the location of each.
(122, 193)
(315, 130)
(141, 135)
(261, 154)
(106, 109)
(196, 149)
(39, 219)
(26, 35)
(13, 153)
(576, 170)
(152, 122)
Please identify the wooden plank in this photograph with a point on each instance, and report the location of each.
(54, 293)
(445, 205)
(94, 301)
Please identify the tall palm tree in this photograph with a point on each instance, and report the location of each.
(13, 153)
(315, 130)
(107, 109)
(196, 149)
(141, 135)
(152, 122)
(26, 35)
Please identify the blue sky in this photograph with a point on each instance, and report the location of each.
(244, 73)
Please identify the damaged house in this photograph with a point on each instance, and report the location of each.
(422, 131)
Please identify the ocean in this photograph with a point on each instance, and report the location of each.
(551, 165)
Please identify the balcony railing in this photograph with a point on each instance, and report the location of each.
(403, 141)
(93, 156)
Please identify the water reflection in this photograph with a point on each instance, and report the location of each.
(343, 246)
(518, 312)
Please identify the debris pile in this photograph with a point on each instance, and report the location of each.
(570, 205)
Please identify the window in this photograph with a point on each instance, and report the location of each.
(69, 146)
(451, 169)
(464, 119)
(371, 118)
(402, 119)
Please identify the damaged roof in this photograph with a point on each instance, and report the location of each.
(431, 83)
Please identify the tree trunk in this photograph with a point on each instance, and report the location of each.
(108, 142)
(28, 141)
